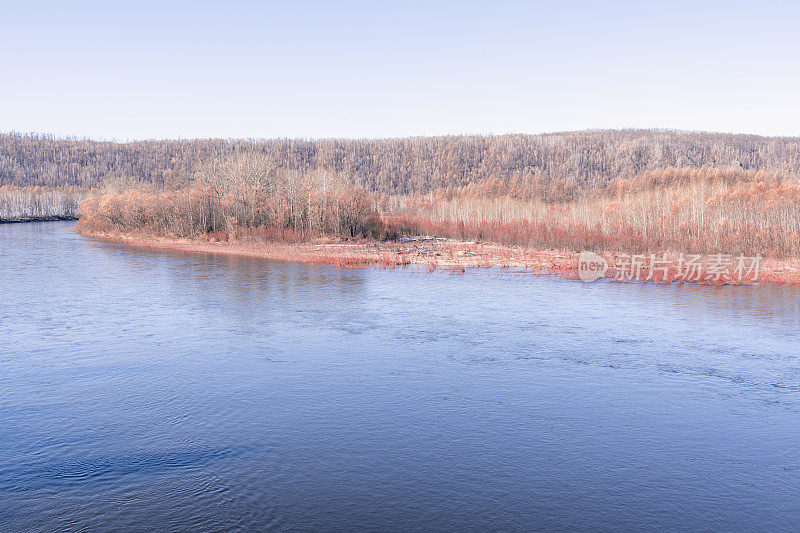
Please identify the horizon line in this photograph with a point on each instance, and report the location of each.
(114, 140)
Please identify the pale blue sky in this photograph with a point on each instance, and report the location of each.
(388, 69)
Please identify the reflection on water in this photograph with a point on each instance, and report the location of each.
(150, 389)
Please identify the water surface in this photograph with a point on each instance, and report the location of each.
(147, 390)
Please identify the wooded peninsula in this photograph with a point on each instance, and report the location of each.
(458, 201)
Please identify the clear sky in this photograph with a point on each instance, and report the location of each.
(140, 69)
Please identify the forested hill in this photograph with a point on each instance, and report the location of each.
(583, 159)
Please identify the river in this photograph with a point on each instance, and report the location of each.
(148, 390)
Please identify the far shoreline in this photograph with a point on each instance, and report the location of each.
(36, 219)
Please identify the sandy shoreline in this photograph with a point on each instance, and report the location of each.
(427, 252)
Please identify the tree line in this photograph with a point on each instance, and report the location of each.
(556, 166)
(20, 204)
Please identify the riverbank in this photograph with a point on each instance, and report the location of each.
(432, 253)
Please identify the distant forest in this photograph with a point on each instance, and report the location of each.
(523, 166)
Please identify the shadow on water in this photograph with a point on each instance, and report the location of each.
(99, 470)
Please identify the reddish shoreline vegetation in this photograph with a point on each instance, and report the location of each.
(717, 219)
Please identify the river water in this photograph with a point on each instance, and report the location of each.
(148, 390)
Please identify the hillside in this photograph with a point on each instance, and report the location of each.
(521, 165)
